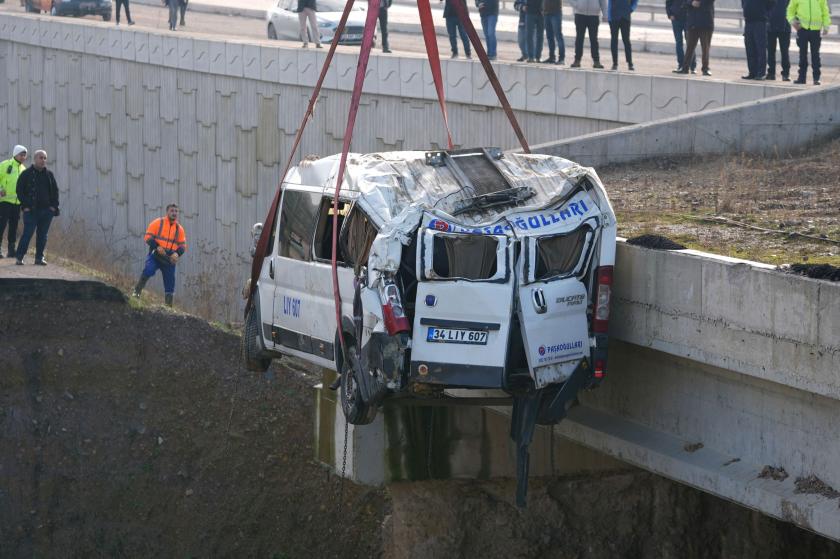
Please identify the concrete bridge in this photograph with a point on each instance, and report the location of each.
(722, 369)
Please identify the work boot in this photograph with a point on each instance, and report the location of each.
(167, 298)
(576, 63)
(141, 283)
(597, 65)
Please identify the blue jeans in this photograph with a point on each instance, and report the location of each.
(488, 25)
(35, 221)
(678, 26)
(534, 31)
(453, 25)
(166, 270)
(520, 36)
(554, 34)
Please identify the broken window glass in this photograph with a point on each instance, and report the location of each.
(558, 255)
(471, 257)
(357, 238)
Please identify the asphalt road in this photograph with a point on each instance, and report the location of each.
(219, 26)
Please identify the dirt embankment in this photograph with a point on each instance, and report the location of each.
(134, 433)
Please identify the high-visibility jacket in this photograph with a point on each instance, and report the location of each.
(10, 170)
(167, 234)
(812, 14)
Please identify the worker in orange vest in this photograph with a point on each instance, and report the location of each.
(167, 242)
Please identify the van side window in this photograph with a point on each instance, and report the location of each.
(356, 238)
(323, 234)
(297, 224)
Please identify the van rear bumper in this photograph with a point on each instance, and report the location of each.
(458, 376)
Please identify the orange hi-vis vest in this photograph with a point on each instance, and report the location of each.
(169, 235)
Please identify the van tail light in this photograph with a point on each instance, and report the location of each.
(601, 315)
(600, 368)
(392, 309)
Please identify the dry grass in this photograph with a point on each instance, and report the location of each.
(783, 194)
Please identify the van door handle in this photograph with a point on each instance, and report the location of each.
(538, 298)
(271, 268)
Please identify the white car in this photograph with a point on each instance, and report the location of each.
(283, 21)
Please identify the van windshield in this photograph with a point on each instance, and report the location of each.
(471, 257)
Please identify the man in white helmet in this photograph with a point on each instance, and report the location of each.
(10, 170)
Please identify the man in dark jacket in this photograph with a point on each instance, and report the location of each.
(38, 195)
(534, 29)
(755, 36)
(778, 30)
(618, 15)
(453, 26)
(383, 24)
(553, 14)
(489, 12)
(675, 9)
(699, 25)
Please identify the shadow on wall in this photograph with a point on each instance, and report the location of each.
(207, 287)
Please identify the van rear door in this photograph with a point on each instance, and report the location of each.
(553, 298)
(463, 309)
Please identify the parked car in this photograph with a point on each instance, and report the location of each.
(71, 7)
(283, 21)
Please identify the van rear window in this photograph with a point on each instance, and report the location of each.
(471, 257)
(558, 255)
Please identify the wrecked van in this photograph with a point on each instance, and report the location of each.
(468, 269)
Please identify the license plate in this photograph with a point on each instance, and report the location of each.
(456, 336)
(351, 36)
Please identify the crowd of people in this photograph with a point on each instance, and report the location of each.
(767, 24)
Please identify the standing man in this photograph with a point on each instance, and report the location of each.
(534, 29)
(124, 4)
(553, 13)
(519, 6)
(167, 243)
(755, 36)
(38, 194)
(173, 12)
(306, 12)
(10, 170)
(676, 13)
(489, 12)
(778, 30)
(587, 18)
(453, 26)
(619, 17)
(182, 6)
(383, 24)
(809, 17)
(699, 26)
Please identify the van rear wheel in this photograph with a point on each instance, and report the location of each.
(356, 411)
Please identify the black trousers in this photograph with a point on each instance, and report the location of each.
(582, 25)
(9, 215)
(755, 43)
(784, 49)
(705, 37)
(123, 4)
(804, 39)
(383, 27)
(622, 25)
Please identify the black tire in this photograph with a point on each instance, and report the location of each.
(272, 33)
(254, 353)
(356, 412)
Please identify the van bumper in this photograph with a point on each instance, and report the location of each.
(458, 376)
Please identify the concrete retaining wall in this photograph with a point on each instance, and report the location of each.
(133, 120)
(779, 125)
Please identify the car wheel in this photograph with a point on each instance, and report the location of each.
(356, 412)
(272, 33)
(252, 350)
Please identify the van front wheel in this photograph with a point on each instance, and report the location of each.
(252, 346)
(356, 411)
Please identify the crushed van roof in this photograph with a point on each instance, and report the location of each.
(385, 184)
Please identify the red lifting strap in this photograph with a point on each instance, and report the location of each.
(268, 225)
(361, 70)
(488, 69)
(430, 39)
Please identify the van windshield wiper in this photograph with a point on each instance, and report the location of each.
(493, 199)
